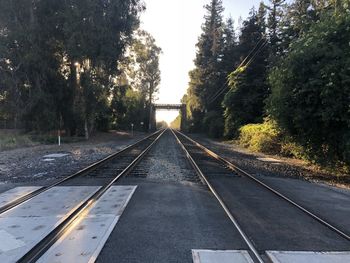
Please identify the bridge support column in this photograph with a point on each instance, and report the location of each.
(152, 125)
(183, 117)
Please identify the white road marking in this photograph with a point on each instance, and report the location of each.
(34, 219)
(85, 239)
(16, 193)
(220, 256)
(308, 257)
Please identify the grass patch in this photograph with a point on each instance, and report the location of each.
(11, 141)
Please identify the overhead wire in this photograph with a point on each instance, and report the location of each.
(242, 64)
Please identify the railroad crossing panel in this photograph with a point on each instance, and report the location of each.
(16, 193)
(85, 240)
(308, 257)
(221, 256)
(22, 227)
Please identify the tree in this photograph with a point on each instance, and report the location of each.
(142, 66)
(58, 59)
(208, 76)
(128, 107)
(244, 102)
(274, 20)
(310, 90)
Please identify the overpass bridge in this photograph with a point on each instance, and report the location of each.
(160, 106)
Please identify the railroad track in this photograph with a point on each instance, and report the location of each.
(210, 165)
(104, 164)
(207, 164)
(112, 167)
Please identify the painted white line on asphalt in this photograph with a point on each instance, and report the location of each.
(16, 193)
(86, 238)
(220, 256)
(308, 257)
(32, 220)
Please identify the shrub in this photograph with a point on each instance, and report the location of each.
(311, 90)
(292, 149)
(262, 137)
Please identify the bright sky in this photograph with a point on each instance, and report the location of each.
(176, 26)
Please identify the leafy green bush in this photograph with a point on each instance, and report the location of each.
(262, 137)
(292, 149)
(311, 91)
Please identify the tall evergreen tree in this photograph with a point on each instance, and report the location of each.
(274, 19)
(207, 77)
(244, 103)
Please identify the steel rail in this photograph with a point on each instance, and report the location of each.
(40, 248)
(241, 171)
(222, 203)
(85, 170)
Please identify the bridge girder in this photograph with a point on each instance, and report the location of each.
(155, 107)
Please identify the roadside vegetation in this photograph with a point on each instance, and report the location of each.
(76, 66)
(10, 140)
(279, 81)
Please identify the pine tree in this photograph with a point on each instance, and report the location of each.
(274, 19)
(244, 103)
(207, 77)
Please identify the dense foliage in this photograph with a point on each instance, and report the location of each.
(311, 90)
(244, 102)
(61, 64)
(287, 64)
(208, 73)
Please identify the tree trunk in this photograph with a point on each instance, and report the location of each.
(86, 129)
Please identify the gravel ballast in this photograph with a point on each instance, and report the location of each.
(262, 165)
(32, 164)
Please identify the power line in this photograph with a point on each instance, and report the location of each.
(256, 52)
(223, 88)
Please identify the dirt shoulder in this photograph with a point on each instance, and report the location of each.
(46, 162)
(272, 165)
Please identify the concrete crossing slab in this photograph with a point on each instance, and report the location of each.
(221, 256)
(24, 226)
(84, 241)
(55, 155)
(308, 257)
(16, 193)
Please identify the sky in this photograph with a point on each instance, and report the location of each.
(176, 26)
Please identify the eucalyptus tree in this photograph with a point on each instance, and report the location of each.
(96, 34)
(141, 65)
(58, 58)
